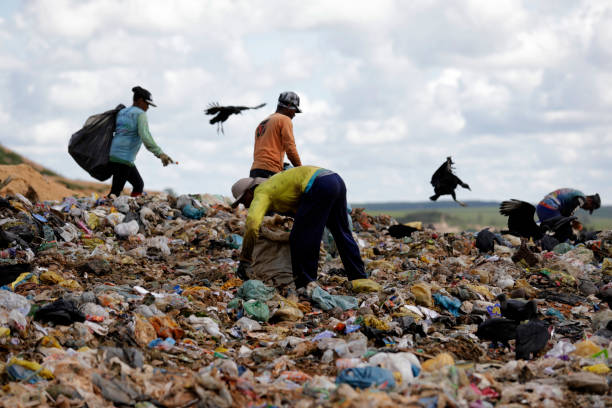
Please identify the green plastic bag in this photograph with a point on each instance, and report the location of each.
(327, 301)
(257, 310)
(255, 289)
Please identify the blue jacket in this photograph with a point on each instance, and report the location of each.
(131, 132)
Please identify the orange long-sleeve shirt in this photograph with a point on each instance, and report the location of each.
(274, 138)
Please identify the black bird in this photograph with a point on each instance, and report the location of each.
(531, 338)
(521, 222)
(224, 112)
(445, 181)
(497, 330)
(485, 240)
(517, 310)
(401, 230)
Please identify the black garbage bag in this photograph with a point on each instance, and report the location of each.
(62, 312)
(90, 146)
(9, 272)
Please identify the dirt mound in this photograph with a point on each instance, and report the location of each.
(32, 184)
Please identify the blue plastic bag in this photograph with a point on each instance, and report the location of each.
(327, 301)
(190, 211)
(450, 304)
(366, 377)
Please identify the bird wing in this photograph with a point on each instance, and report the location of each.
(440, 174)
(517, 207)
(241, 108)
(213, 108)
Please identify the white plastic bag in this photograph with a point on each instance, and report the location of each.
(127, 229)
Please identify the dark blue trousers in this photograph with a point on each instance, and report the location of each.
(323, 205)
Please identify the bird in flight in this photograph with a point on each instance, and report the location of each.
(445, 181)
(223, 112)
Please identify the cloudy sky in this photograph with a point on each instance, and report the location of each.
(518, 92)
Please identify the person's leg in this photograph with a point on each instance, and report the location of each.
(307, 231)
(133, 177)
(119, 172)
(338, 225)
(261, 173)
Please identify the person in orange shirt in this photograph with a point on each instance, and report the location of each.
(274, 138)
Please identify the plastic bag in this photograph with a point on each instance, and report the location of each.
(257, 310)
(438, 362)
(407, 364)
(192, 212)
(450, 304)
(422, 294)
(90, 146)
(326, 301)
(247, 324)
(161, 243)
(365, 285)
(10, 300)
(69, 232)
(115, 218)
(207, 324)
(127, 229)
(255, 289)
(366, 377)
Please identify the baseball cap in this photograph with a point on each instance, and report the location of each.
(242, 186)
(140, 92)
(289, 100)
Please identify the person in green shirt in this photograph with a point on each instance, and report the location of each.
(131, 132)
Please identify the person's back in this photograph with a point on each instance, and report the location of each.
(564, 201)
(274, 138)
(126, 142)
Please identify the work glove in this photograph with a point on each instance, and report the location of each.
(241, 271)
(166, 160)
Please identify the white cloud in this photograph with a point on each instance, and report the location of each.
(369, 132)
(517, 92)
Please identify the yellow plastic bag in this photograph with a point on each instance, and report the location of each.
(34, 366)
(92, 221)
(50, 277)
(23, 278)
(50, 341)
(440, 361)
(372, 321)
(597, 369)
(422, 294)
(586, 348)
(71, 284)
(365, 285)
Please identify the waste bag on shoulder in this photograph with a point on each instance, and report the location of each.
(90, 146)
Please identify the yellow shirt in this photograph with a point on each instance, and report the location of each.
(280, 193)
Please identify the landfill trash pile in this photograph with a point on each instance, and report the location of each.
(135, 302)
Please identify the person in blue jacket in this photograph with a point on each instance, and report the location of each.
(564, 201)
(131, 132)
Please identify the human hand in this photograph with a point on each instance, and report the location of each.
(241, 271)
(166, 160)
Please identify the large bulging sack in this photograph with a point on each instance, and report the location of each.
(272, 260)
(90, 146)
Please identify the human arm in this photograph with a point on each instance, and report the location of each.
(145, 136)
(257, 210)
(289, 144)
